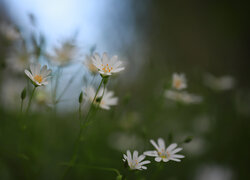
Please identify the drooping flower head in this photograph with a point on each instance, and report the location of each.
(179, 81)
(136, 162)
(38, 75)
(164, 154)
(107, 66)
(104, 100)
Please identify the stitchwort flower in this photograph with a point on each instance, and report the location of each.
(136, 162)
(179, 81)
(38, 75)
(107, 66)
(164, 154)
(103, 99)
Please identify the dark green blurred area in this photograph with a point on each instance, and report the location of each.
(193, 37)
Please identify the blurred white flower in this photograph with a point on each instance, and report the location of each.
(9, 31)
(179, 81)
(135, 162)
(219, 84)
(89, 64)
(38, 76)
(164, 154)
(107, 66)
(214, 172)
(183, 97)
(107, 100)
(64, 54)
(42, 97)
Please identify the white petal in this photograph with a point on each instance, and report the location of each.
(157, 159)
(173, 159)
(29, 74)
(105, 58)
(154, 144)
(33, 69)
(135, 155)
(118, 70)
(37, 68)
(151, 153)
(144, 162)
(178, 156)
(124, 156)
(161, 143)
(129, 154)
(171, 147)
(140, 158)
(176, 150)
(165, 159)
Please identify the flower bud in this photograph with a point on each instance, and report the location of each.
(188, 139)
(80, 97)
(23, 94)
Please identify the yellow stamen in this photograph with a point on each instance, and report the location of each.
(178, 83)
(38, 78)
(106, 68)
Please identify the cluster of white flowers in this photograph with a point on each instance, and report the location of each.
(179, 83)
(161, 153)
(106, 67)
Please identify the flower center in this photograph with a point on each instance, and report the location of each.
(177, 83)
(38, 78)
(163, 154)
(106, 68)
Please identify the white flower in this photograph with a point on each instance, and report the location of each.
(89, 64)
(135, 162)
(106, 101)
(220, 84)
(179, 81)
(38, 76)
(64, 54)
(164, 154)
(183, 97)
(107, 66)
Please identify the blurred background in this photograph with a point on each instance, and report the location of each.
(208, 41)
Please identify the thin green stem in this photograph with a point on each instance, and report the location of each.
(92, 103)
(56, 85)
(21, 108)
(80, 112)
(32, 94)
(82, 126)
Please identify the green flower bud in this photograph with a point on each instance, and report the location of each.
(80, 97)
(23, 94)
(188, 139)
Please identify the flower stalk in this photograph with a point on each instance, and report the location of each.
(29, 103)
